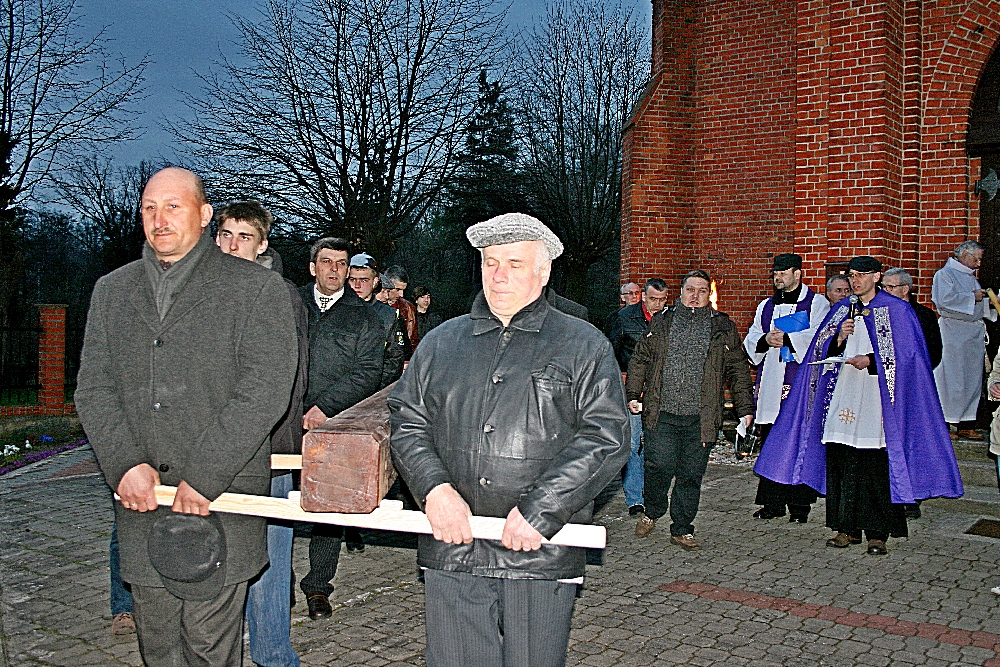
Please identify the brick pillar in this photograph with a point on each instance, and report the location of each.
(52, 355)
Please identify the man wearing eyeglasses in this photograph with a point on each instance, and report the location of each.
(863, 423)
(899, 283)
(363, 279)
(776, 348)
(630, 323)
(961, 301)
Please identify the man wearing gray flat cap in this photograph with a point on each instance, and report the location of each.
(517, 411)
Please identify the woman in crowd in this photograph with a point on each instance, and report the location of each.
(425, 320)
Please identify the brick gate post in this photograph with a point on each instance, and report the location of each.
(52, 356)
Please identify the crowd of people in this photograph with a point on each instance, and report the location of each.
(200, 360)
(846, 398)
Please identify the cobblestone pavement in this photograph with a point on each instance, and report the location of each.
(758, 593)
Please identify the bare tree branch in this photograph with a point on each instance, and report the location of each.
(582, 68)
(348, 117)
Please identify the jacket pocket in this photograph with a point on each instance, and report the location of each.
(551, 412)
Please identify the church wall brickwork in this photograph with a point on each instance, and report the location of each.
(825, 127)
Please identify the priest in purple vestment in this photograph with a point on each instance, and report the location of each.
(866, 427)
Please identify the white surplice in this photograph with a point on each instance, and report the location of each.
(959, 376)
(772, 379)
(855, 415)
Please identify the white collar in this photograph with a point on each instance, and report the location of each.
(956, 265)
(323, 301)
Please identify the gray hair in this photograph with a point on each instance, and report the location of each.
(969, 247)
(833, 279)
(626, 287)
(904, 276)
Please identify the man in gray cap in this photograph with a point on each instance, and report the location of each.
(515, 411)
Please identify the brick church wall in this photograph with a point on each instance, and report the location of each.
(825, 127)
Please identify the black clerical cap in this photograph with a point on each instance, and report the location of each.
(864, 264)
(189, 553)
(788, 260)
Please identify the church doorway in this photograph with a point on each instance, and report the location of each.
(983, 141)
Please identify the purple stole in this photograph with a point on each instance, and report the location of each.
(791, 367)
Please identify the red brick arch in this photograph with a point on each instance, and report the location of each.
(948, 212)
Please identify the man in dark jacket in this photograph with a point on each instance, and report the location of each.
(679, 372)
(242, 229)
(899, 283)
(363, 279)
(346, 355)
(188, 363)
(515, 411)
(631, 322)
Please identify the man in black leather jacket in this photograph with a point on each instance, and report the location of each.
(515, 411)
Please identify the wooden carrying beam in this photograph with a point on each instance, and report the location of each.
(389, 515)
(286, 462)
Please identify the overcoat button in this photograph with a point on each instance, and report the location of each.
(157, 343)
(164, 467)
(483, 481)
(488, 428)
(156, 407)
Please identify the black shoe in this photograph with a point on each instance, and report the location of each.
(798, 518)
(767, 513)
(877, 548)
(319, 605)
(635, 510)
(355, 547)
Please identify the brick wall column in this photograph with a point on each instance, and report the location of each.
(52, 355)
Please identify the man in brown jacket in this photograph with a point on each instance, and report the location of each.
(676, 378)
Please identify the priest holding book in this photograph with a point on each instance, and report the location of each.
(782, 328)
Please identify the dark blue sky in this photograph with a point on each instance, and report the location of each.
(185, 36)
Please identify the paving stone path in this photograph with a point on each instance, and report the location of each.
(758, 593)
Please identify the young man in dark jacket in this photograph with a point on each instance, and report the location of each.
(514, 411)
(363, 279)
(346, 355)
(676, 380)
(242, 232)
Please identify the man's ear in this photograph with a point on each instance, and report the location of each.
(206, 214)
(546, 272)
(263, 247)
(312, 268)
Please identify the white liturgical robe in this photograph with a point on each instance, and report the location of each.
(959, 376)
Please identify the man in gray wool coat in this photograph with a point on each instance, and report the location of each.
(188, 362)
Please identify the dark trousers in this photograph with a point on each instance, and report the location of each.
(493, 622)
(775, 496)
(180, 633)
(675, 452)
(324, 555)
(858, 495)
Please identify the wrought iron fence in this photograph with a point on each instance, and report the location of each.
(19, 365)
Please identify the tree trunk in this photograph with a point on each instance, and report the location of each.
(576, 281)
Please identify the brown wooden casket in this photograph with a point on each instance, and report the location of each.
(345, 462)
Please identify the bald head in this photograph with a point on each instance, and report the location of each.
(175, 212)
(181, 176)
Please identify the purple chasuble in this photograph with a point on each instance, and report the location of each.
(766, 315)
(921, 457)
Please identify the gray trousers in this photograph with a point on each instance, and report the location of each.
(181, 633)
(492, 622)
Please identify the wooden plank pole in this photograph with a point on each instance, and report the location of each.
(286, 462)
(389, 515)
